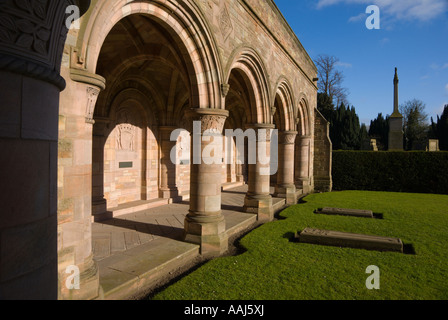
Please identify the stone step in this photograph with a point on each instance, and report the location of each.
(231, 185)
(350, 240)
(129, 275)
(137, 206)
(278, 204)
(346, 212)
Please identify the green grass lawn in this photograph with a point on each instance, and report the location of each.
(274, 268)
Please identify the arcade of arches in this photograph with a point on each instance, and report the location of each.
(135, 71)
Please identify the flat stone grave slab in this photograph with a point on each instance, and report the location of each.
(349, 240)
(346, 212)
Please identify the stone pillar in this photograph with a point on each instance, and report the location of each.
(302, 170)
(168, 188)
(258, 198)
(285, 187)
(99, 202)
(323, 180)
(205, 224)
(32, 39)
(75, 182)
(239, 172)
(396, 121)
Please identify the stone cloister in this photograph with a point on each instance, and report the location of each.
(87, 114)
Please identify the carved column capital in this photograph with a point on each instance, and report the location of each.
(262, 130)
(287, 137)
(212, 120)
(32, 35)
(95, 84)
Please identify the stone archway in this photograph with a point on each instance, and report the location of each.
(156, 54)
(284, 121)
(303, 168)
(248, 104)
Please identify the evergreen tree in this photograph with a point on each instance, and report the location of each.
(439, 130)
(379, 130)
(363, 136)
(325, 106)
(345, 130)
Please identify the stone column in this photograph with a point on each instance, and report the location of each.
(285, 187)
(99, 202)
(302, 171)
(258, 198)
(205, 224)
(396, 121)
(168, 188)
(32, 39)
(75, 181)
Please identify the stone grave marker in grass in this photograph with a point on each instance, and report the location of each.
(349, 240)
(346, 212)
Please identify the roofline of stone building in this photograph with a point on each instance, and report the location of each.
(272, 2)
(288, 28)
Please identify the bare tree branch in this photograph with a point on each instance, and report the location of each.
(330, 79)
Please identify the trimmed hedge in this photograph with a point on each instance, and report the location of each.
(414, 172)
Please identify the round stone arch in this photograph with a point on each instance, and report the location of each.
(286, 103)
(183, 22)
(303, 116)
(142, 127)
(249, 64)
(304, 146)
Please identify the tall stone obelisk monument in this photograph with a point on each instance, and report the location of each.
(396, 122)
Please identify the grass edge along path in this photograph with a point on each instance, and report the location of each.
(275, 268)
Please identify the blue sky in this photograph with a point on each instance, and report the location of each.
(413, 37)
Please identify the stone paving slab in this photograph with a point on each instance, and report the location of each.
(134, 250)
(346, 212)
(351, 240)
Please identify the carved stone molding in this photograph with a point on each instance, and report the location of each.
(86, 77)
(225, 89)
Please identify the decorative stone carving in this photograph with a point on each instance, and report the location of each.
(287, 137)
(125, 132)
(213, 123)
(225, 24)
(92, 96)
(212, 120)
(225, 90)
(32, 36)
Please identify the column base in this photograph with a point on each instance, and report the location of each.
(99, 211)
(304, 184)
(170, 193)
(89, 283)
(261, 205)
(288, 192)
(207, 231)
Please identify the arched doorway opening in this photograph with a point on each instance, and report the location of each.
(149, 89)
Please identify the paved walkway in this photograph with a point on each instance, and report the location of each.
(133, 251)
